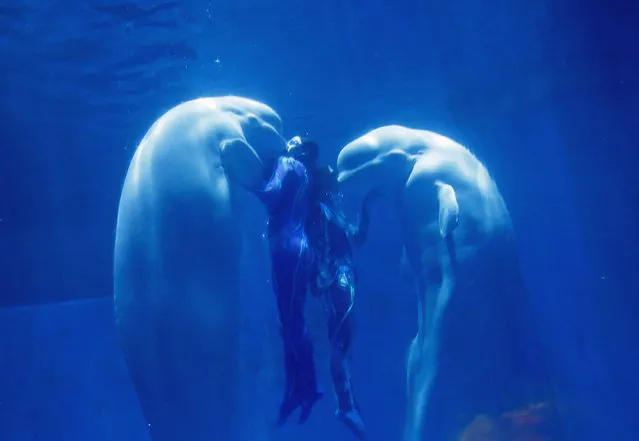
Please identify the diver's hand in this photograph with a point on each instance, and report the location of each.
(373, 195)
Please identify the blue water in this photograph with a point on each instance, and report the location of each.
(544, 93)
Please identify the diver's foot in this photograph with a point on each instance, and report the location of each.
(353, 421)
(288, 406)
(307, 406)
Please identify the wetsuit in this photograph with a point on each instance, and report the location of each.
(287, 196)
(335, 277)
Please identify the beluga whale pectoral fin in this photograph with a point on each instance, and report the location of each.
(448, 209)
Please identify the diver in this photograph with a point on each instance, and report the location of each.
(332, 239)
(288, 195)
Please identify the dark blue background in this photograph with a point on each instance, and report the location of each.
(545, 93)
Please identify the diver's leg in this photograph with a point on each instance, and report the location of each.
(290, 282)
(282, 277)
(340, 302)
(306, 385)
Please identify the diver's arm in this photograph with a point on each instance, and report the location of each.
(358, 234)
(285, 166)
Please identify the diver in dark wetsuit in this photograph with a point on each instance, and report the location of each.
(332, 238)
(288, 196)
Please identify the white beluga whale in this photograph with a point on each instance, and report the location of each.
(177, 261)
(459, 245)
